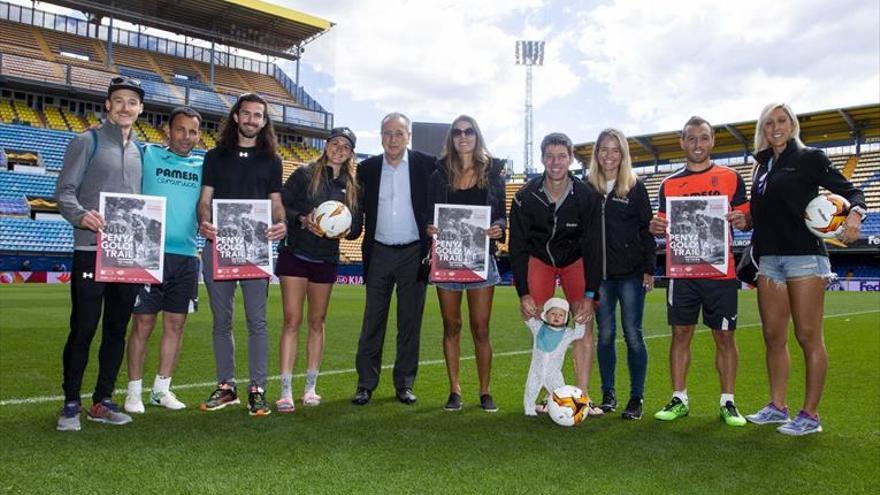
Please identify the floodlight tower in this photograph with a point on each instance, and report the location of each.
(529, 53)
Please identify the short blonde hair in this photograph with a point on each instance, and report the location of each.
(761, 142)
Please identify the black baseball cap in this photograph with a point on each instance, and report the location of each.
(344, 132)
(124, 82)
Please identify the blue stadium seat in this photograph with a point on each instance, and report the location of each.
(15, 183)
(24, 234)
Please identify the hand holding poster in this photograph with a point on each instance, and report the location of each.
(698, 236)
(461, 248)
(241, 248)
(131, 246)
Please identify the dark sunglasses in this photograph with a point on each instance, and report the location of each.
(469, 132)
(121, 80)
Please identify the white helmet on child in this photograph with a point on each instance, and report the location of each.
(555, 302)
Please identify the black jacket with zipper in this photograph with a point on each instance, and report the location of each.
(299, 201)
(793, 181)
(628, 248)
(496, 195)
(556, 236)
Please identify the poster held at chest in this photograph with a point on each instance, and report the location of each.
(461, 248)
(698, 237)
(131, 246)
(241, 248)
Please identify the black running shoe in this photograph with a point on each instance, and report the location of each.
(454, 402)
(488, 403)
(633, 409)
(609, 402)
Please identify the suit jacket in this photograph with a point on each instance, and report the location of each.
(369, 173)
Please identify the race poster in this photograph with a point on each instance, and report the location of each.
(461, 247)
(131, 246)
(241, 248)
(698, 236)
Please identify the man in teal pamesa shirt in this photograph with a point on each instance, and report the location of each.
(174, 172)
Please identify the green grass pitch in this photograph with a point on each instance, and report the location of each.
(386, 447)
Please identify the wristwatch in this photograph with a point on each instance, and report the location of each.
(860, 211)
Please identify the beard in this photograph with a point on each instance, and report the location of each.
(247, 133)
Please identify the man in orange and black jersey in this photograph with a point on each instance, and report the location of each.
(716, 296)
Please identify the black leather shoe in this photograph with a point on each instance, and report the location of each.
(406, 396)
(362, 396)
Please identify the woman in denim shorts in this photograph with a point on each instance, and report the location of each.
(793, 263)
(467, 174)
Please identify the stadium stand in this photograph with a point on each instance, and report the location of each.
(39, 236)
(14, 183)
(14, 206)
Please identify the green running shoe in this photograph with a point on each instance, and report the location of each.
(731, 416)
(674, 410)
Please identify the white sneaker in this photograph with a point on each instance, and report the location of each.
(167, 400)
(133, 404)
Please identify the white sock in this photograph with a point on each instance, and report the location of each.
(311, 380)
(135, 387)
(162, 384)
(287, 385)
(725, 398)
(682, 396)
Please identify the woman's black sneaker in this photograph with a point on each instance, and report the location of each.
(487, 403)
(454, 402)
(609, 402)
(633, 409)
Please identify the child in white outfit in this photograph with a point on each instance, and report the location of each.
(551, 338)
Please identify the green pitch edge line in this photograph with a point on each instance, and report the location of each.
(184, 386)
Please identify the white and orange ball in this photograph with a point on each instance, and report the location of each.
(333, 218)
(826, 214)
(568, 406)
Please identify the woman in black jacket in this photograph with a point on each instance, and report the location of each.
(467, 174)
(793, 263)
(628, 259)
(308, 259)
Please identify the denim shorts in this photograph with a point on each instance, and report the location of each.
(492, 279)
(781, 268)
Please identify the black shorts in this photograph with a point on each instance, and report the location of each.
(178, 292)
(717, 298)
(316, 272)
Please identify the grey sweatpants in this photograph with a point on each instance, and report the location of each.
(222, 296)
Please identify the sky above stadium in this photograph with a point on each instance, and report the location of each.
(642, 66)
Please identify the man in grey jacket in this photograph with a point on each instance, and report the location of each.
(106, 159)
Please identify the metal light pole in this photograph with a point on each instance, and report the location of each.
(529, 53)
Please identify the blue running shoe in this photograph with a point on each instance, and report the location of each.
(768, 415)
(803, 424)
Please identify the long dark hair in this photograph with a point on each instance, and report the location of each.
(267, 143)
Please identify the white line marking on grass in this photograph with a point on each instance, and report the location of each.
(185, 386)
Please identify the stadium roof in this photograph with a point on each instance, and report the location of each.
(253, 25)
(827, 126)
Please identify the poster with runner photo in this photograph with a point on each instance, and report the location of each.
(461, 247)
(131, 246)
(241, 248)
(698, 236)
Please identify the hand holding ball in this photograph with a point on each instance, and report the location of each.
(333, 218)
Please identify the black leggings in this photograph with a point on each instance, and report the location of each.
(87, 298)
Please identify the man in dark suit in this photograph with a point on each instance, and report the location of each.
(394, 192)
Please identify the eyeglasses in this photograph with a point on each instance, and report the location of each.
(469, 132)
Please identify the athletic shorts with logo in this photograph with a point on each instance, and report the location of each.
(178, 292)
(685, 297)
